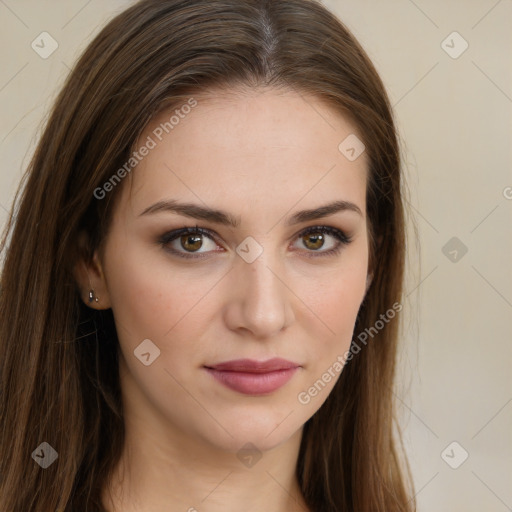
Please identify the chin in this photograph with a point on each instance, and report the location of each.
(264, 428)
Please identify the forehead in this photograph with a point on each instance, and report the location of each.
(249, 147)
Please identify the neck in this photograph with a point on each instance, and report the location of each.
(199, 478)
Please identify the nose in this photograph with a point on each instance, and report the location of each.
(260, 299)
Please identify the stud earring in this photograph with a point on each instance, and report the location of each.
(92, 297)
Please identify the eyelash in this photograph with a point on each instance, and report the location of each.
(167, 238)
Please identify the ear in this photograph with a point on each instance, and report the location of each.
(90, 277)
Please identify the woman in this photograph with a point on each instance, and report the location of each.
(199, 290)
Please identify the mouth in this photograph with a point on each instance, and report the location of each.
(252, 377)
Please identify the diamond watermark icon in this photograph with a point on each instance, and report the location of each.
(352, 147)
(249, 249)
(454, 45)
(454, 250)
(454, 455)
(44, 45)
(146, 352)
(249, 455)
(45, 455)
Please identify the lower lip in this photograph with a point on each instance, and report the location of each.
(253, 383)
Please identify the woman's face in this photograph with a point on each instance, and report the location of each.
(188, 307)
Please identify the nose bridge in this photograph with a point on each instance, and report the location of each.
(262, 277)
(262, 293)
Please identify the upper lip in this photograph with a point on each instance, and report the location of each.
(253, 366)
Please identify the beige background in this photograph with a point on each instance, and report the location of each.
(455, 119)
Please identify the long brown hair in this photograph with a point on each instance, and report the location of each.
(59, 379)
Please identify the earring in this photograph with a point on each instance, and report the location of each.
(92, 297)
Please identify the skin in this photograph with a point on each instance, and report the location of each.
(261, 155)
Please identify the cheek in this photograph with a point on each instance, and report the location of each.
(154, 299)
(339, 304)
(333, 305)
(336, 306)
(148, 300)
(335, 294)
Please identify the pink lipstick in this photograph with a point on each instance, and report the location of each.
(252, 377)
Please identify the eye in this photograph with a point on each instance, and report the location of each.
(314, 239)
(187, 242)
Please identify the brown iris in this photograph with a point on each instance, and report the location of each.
(317, 240)
(191, 242)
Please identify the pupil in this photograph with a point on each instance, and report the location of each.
(195, 239)
(316, 239)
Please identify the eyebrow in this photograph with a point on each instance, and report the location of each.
(221, 217)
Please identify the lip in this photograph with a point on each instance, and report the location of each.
(252, 377)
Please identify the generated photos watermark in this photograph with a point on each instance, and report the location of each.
(143, 151)
(335, 369)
